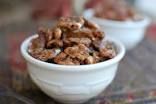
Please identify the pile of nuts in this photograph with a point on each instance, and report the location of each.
(118, 10)
(72, 41)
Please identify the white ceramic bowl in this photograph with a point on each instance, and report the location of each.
(72, 84)
(130, 33)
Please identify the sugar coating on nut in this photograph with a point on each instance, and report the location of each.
(73, 41)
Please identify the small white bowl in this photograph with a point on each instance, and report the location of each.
(130, 33)
(72, 84)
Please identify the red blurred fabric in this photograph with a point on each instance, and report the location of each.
(92, 3)
(49, 9)
(152, 31)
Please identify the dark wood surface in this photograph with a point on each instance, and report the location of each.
(136, 73)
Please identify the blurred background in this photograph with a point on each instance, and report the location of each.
(21, 10)
(21, 18)
(39, 12)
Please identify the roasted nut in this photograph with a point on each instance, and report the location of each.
(107, 53)
(49, 35)
(78, 51)
(90, 25)
(57, 33)
(37, 44)
(98, 34)
(60, 57)
(68, 61)
(89, 60)
(74, 41)
(71, 23)
(82, 47)
(96, 57)
(85, 41)
(45, 55)
(54, 43)
(96, 44)
(84, 32)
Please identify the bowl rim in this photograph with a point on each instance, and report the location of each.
(51, 66)
(88, 13)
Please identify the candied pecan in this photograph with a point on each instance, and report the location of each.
(107, 53)
(34, 51)
(71, 23)
(85, 41)
(97, 57)
(76, 62)
(34, 45)
(110, 14)
(64, 59)
(90, 25)
(82, 56)
(87, 33)
(98, 34)
(55, 43)
(37, 44)
(78, 51)
(84, 32)
(57, 32)
(121, 14)
(60, 57)
(96, 44)
(71, 51)
(108, 45)
(45, 54)
(68, 61)
(65, 62)
(49, 35)
(67, 43)
(107, 50)
(89, 60)
(82, 47)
